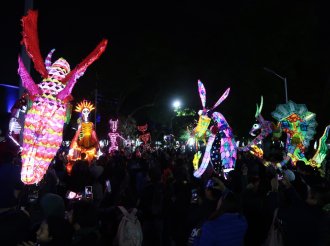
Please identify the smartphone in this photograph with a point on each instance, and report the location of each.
(108, 186)
(89, 192)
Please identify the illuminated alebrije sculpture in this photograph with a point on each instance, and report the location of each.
(113, 135)
(44, 121)
(227, 144)
(299, 124)
(85, 139)
(265, 127)
(145, 136)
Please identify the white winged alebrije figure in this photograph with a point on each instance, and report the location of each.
(44, 121)
(265, 127)
(227, 152)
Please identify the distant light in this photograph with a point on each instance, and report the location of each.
(191, 141)
(176, 104)
(9, 86)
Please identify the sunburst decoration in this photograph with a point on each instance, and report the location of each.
(84, 104)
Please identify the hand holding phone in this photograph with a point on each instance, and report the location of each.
(89, 192)
(194, 196)
(73, 195)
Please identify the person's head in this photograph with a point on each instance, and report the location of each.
(52, 205)
(83, 156)
(301, 167)
(96, 171)
(80, 167)
(228, 203)
(83, 214)
(254, 179)
(56, 230)
(317, 196)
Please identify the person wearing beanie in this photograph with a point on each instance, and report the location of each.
(52, 205)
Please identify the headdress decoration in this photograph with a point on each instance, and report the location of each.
(84, 104)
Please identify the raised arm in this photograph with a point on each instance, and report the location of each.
(27, 80)
(79, 71)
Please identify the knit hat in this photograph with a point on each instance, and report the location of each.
(289, 174)
(52, 205)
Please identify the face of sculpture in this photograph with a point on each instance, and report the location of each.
(113, 125)
(59, 69)
(255, 128)
(85, 113)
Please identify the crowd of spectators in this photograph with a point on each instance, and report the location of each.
(174, 207)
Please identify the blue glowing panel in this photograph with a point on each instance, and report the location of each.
(11, 94)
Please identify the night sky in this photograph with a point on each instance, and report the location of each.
(159, 49)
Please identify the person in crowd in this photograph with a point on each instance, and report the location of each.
(151, 205)
(227, 226)
(80, 177)
(253, 207)
(110, 216)
(84, 220)
(53, 231)
(303, 221)
(97, 185)
(15, 222)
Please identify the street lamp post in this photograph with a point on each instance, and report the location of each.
(281, 77)
(176, 105)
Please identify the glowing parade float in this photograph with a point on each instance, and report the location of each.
(85, 141)
(144, 136)
(264, 127)
(299, 124)
(223, 155)
(114, 135)
(44, 120)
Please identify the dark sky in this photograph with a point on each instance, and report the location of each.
(159, 49)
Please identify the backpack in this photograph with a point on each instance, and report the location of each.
(129, 231)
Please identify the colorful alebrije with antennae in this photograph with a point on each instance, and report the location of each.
(221, 146)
